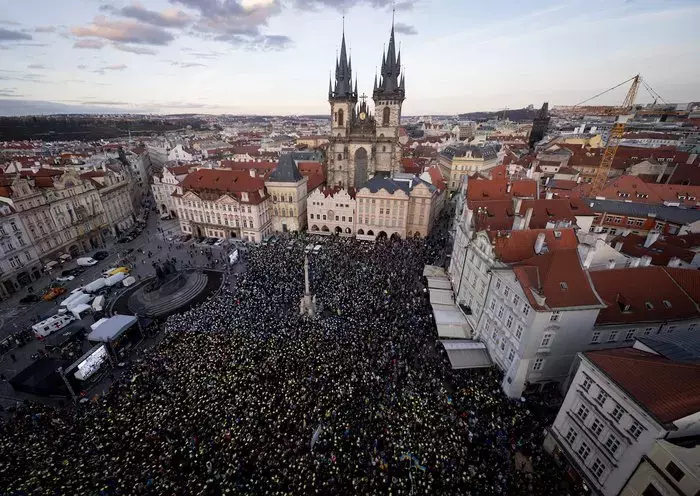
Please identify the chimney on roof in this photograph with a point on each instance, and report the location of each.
(652, 236)
(618, 246)
(517, 203)
(539, 243)
(645, 261)
(634, 262)
(509, 186)
(578, 180)
(252, 172)
(528, 218)
(611, 263)
(548, 195)
(675, 262)
(588, 255)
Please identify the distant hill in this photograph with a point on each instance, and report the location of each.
(516, 115)
(88, 127)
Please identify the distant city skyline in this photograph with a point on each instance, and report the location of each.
(274, 57)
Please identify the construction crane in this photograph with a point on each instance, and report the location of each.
(623, 113)
(616, 134)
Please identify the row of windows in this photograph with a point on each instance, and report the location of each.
(597, 468)
(616, 413)
(629, 335)
(212, 206)
(338, 218)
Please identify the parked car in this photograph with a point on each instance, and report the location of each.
(100, 255)
(30, 298)
(219, 242)
(165, 217)
(86, 261)
(53, 293)
(65, 278)
(115, 270)
(76, 271)
(210, 241)
(185, 237)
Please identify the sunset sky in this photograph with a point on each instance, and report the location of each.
(274, 56)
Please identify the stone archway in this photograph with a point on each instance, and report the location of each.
(314, 227)
(338, 230)
(325, 229)
(395, 237)
(381, 235)
(361, 162)
(361, 232)
(370, 233)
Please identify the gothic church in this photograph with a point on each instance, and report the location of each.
(360, 143)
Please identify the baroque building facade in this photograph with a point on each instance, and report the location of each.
(362, 144)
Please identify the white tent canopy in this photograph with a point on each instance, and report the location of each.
(467, 354)
(111, 328)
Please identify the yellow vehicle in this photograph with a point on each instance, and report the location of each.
(118, 270)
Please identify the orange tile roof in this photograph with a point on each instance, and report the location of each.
(637, 294)
(559, 278)
(515, 246)
(668, 390)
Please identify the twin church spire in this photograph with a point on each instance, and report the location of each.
(390, 86)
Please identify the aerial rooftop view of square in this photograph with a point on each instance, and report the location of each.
(218, 277)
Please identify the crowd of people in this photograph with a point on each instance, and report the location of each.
(245, 396)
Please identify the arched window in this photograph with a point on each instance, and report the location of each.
(340, 156)
(386, 113)
(340, 117)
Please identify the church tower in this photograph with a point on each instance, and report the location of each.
(341, 96)
(388, 95)
(362, 144)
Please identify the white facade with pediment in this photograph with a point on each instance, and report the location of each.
(224, 216)
(331, 214)
(163, 188)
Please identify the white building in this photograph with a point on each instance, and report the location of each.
(19, 260)
(165, 184)
(619, 403)
(222, 203)
(671, 468)
(332, 209)
(180, 154)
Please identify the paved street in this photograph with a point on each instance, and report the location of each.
(16, 317)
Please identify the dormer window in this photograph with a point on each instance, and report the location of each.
(649, 305)
(563, 286)
(667, 304)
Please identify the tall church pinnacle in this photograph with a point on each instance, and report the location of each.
(389, 84)
(343, 73)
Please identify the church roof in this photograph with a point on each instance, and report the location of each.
(286, 170)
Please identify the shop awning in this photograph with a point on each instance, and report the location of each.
(467, 354)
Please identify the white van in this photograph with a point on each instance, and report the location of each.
(81, 311)
(86, 261)
(317, 249)
(52, 324)
(98, 304)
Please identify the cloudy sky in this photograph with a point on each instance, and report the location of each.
(274, 56)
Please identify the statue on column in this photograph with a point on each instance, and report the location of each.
(307, 305)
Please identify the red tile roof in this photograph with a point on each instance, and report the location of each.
(497, 189)
(638, 294)
(436, 178)
(224, 181)
(688, 280)
(515, 246)
(559, 278)
(410, 166)
(661, 251)
(634, 189)
(668, 390)
(500, 214)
